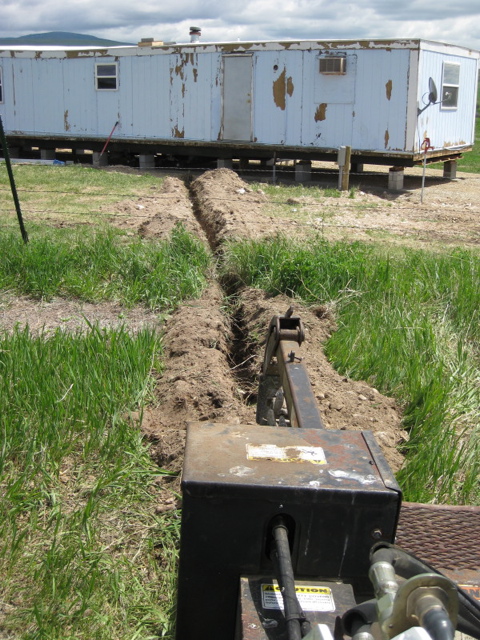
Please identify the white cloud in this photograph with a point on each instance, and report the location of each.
(250, 20)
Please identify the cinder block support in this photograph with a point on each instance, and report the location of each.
(244, 164)
(303, 171)
(450, 169)
(357, 167)
(99, 160)
(14, 152)
(395, 178)
(146, 161)
(47, 154)
(224, 163)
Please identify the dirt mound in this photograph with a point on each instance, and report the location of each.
(156, 215)
(172, 208)
(228, 208)
(197, 383)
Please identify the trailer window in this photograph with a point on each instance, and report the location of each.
(106, 76)
(1, 86)
(450, 85)
(333, 65)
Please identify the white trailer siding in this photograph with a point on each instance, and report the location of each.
(447, 127)
(271, 95)
(381, 116)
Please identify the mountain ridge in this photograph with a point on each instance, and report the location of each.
(61, 38)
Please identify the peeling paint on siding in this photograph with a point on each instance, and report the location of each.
(279, 90)
(460, 143)
(321, 112)
(281, 86)
(195, 74)
(176, 133)
(387, 138)
(290, 86)
(84, 54)
(388, 87)
(66, 124)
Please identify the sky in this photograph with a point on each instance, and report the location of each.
(231, 20)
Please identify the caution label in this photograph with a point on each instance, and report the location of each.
(473, 590)
(311, 598)
(315, 455)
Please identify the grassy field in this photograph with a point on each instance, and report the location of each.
(471, 161)
(84, 551)
(98, 263)
(71, 194)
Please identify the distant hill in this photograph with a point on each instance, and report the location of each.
(62, 39)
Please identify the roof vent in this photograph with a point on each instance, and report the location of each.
(150, 42)
(195, 33)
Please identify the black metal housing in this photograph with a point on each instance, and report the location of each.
(334, 486)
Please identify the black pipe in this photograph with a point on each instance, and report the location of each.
(297, 625)
(3, 141)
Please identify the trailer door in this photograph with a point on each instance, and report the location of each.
(237, 97)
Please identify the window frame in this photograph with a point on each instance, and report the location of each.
(103, 76)
(451, 85)
(330, 58)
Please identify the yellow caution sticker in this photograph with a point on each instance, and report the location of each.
(314, 455)
(473, 590)
(310, 597)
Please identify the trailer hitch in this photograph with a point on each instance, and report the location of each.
(285, 395)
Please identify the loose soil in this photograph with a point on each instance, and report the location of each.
(213, 351)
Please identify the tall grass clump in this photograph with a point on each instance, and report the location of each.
(101, 264)
(83, 553)
(408, 324)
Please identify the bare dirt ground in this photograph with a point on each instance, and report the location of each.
(213, 352)
(449, 214)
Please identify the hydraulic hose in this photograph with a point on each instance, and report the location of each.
(297, 625)
(407, 565)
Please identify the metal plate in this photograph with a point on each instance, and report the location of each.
(217, 460)
(446, 537)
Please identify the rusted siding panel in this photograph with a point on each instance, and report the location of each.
(328, 102)
(381, 100)
(278, 97)
(145, 114)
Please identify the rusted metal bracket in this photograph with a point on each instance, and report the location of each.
(284, 379)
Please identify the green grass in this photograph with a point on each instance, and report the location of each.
(73, 193)
(471, 160)
(101, 264)
(83, 553)
(409, 325)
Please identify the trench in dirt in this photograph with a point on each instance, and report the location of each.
(213, 347)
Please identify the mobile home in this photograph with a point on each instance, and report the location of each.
(294, 99)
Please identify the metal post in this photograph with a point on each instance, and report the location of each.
(12, 182)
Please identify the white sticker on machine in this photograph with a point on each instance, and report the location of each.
(311, 598)
(273, 452)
